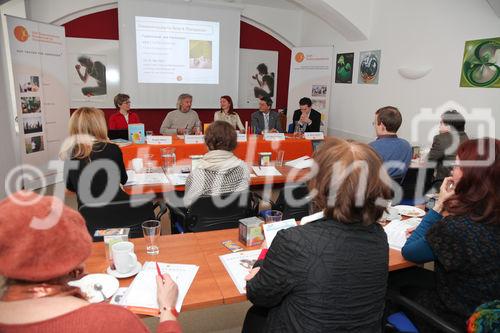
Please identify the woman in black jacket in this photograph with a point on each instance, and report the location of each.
(329, 275)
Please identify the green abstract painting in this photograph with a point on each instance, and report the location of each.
(343, 71)
(481, 64)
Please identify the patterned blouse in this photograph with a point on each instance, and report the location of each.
(233, 119)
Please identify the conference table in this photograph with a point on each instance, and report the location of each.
(212, 284)
(293, 148)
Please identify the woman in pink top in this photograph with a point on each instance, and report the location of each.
(43, 245)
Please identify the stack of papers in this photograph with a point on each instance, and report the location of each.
(178, 178)
(266, 171)
(271, 229)
(141, 296)
(145, 178)
(301, 162)
(238, 265)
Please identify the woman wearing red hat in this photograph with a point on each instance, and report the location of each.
(43, 245)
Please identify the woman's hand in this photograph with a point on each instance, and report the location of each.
(446, 190)
(252, 273)
(409, 231)
(167, 291)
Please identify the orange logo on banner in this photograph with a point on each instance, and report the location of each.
(299, 57)
(21, 33)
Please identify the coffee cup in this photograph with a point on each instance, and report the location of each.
(124, 257)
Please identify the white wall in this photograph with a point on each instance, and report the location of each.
(410, 34)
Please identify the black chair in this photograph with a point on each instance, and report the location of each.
(206, 213)
(297, 192)
(395, 298)
(118, 214)
(416, 183)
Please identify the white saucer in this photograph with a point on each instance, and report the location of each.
(119, 275)
(86, 284)
(410, 211)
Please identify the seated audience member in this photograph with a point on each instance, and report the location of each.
(183, 119)
(306, 117)
(228, 114)
(89, 145)
(462, 235)
(445, 144)
(265, 120)
(392, 150)
(329, 275)
(38, 262)
(219, 171)
(124, 116)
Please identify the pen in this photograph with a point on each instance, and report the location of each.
(158, 270)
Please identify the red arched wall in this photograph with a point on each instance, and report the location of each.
(104, 25)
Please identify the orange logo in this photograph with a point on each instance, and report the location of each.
(299, 57)
(21, 33)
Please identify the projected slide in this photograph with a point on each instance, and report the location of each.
(177, 51)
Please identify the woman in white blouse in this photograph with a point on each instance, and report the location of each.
(228, 114)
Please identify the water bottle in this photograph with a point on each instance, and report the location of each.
(168, 157)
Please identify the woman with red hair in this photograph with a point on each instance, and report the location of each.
(228, 114)
(462, 235)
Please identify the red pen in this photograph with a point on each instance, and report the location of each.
(158, 270)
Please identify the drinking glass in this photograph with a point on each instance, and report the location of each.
(273, 216)
(149, 133)
(168, 157)
(151, 230)
(197, 128)
(279, 158)
(149, 163)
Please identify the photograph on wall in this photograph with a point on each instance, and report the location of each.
(31, 104)
(319, 104)
(257, 76)
(200, 54)
(34, 144)
(369, 67)
(344, 67)
(481, 64)
(88, 76)
(318, 90)
(32, 125)
(29, 83)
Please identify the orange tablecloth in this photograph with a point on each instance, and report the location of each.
(248, 151)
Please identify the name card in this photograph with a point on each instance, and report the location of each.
(274, 136)
(190, 139)
(241, 137)
(314, 135)
(159, 140)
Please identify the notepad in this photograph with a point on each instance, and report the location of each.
(238, 265)
(266, 171)
(301, 162)
(271, 229)
(178, 178)
(396, 233)
(145, 178)
(141, 296)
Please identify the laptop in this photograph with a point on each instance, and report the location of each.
(118, 134)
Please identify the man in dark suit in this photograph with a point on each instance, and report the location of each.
(306, 117)
(445, 144)
(265, 120)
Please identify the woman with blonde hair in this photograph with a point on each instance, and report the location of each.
(329, 275)
(94, 167)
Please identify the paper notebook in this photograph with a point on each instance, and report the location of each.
(145, 178)
(301, 162)
(396, 232)
(141, 295)
(266, 171)
(238, 265)
(271, 229)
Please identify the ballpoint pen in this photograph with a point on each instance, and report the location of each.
(158, 270)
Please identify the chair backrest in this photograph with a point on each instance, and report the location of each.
(207, 213)
(291, 209)
(410, 184)
(118, 214)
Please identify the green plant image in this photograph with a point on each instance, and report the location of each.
(481, 64)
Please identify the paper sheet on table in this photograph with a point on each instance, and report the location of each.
(271, 229)
(238, 265)
(178, 178)
(142, 291)
(396, 233)
(301, 162)
(266, 171)
(145, 178)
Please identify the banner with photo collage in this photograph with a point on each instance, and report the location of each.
(311, 76)
(38, 54)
